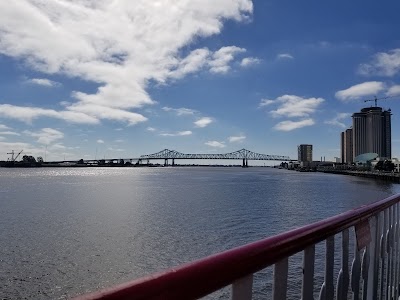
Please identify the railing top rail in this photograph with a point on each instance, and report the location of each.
(204, 276)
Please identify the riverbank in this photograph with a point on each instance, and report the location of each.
(392, 177)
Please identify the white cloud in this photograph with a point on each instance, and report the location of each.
(195, 61)
(179, 133)
(28, 114)
(292, 125)
(180, 111)
(215, 144)
(116, 149)
(296, 106)
(203, 122)
(46, 136)
(119, 141)
(337, 120)
(393, 91)
(4, 127)
(44, 82)
(151, 129)
(284, 56)
(100, 142)
(383, 63)
(266, 102)
(234, 139)
(84, 39)
(9, 133)
(250, 61)
(221, 59)
(358, 91)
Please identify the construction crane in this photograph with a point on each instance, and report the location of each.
(376, 99)
(13, 159)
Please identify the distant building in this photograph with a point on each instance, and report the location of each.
(372, 132)
(304, 152)
(347, 146)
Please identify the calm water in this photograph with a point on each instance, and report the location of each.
(69, 231)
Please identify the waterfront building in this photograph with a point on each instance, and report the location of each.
(304, 152)
(372, 132)
(347, 146)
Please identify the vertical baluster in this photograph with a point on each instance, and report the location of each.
(327, 289)
(374, 258)
(342, 286)
(280, 280)
(307, 290)
(389, 253)
(242, 288)
(355, 274)
(397, 250)
(364, 271)
(393, 251)
(382, 255)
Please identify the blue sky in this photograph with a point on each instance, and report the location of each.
(86, 78)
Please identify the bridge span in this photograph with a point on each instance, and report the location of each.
(242, 154)
(171, 155)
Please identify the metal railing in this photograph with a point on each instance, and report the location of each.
(374, 272)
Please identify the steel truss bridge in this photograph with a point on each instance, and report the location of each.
(242, 154)
(171, 155)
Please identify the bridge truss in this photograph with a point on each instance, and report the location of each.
(243, 154)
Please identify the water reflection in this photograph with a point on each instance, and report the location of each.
(70, 231)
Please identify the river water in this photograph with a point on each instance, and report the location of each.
(68, 231)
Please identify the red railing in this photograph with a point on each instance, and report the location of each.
(237, 266)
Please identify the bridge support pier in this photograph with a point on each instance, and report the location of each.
(245, 163)
(173, 162)
(166, 162)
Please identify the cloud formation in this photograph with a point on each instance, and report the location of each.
(294, 106)
(235, 139)
(28, 114)
(358, 91)
(215, 144)
(291, 125)
(284, 56)
(203, 122)
(84, 39)
(338, 120)
(221, 59)
(179, 133)
(46, 136)
(393, 90)
(250, 61)
(9, 133)
(180, 111)
(44, 82)
(383, 63)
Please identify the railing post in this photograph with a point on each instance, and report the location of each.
(372, 291)
(242, 289)
(280, 280)
(327, 289)
(307, 291)
(343, 278)
(355, 273)
(397, 249)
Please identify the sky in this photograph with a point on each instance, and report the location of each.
(118, 79)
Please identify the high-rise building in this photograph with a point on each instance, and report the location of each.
(372, 132)
(304, 153)
(347, 146)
